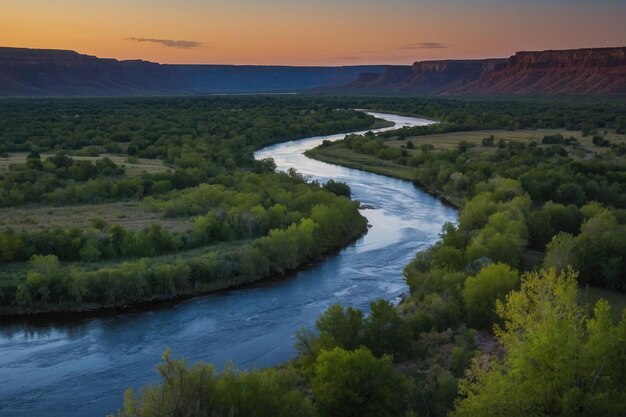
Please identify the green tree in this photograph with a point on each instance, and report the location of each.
(340, 328)
(357, 384)
(559, 361)
(385, 332)
(481, 292)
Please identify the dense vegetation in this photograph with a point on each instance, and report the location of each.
(556, 359)
(490, 328)
(571, 206)
(247, 222)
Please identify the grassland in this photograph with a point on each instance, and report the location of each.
(340, 155)
(132, 215)
(132, 169)
(452, 140)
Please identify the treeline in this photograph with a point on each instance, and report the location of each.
(201, 139)
(589, 116)
(183, 131)
(248, 206)
(547, 173)
(45, 284)
(54, 180)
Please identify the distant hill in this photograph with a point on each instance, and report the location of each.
(42, 72)
(426, 77)
(597, 71)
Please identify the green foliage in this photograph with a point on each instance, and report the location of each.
(340, 328)
(551, 356)
(271, 222)
(559, 360)
(338, 188)
(598, 252)
(200, 391)
(383, 331)
(481, 292)
(357, 384)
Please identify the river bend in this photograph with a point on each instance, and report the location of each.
(80, 367)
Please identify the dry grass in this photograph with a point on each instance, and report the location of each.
(150, 166)
(129, 215)
(451, 140)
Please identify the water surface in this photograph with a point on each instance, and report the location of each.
(80, 367)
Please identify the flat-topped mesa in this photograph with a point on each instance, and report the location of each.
(456, 65)
(440, 76)
(24, 58)
(392, 75)
(591, 71)
(573, 58)
(49, 72)
(600, 71)
(425, 76)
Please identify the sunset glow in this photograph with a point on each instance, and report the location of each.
(308, 33)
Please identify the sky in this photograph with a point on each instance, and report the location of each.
(314, 32)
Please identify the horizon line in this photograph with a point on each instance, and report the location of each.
(305, 65)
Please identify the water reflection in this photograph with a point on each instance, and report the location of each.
(60, 366)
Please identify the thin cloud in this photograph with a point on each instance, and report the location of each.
(425, 45)
(170, 43)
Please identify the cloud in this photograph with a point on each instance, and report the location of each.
(425, 45)
(170, 43)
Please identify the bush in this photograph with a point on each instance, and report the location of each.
(482, 291)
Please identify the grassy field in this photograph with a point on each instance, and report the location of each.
(142, 165)
(451, 140)
(129, 215)
(340, 155)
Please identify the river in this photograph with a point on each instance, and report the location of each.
(80, 367)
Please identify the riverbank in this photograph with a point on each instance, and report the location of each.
(340, 155)
(252, 326)
(95, 311)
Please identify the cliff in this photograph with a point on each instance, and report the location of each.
(599, 71)
(41, 72)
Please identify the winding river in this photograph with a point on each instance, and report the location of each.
(80, 367)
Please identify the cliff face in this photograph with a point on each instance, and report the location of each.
(571, 72)
(26, 72)
(598, 71)
(440, 76)
(40, 72)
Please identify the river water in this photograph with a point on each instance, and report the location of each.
(80, 367)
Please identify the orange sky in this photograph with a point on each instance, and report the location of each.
(322, 32)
